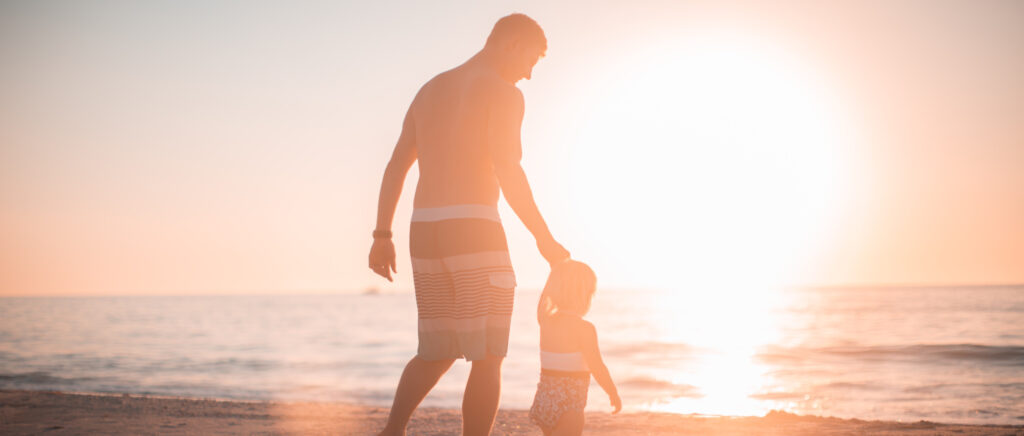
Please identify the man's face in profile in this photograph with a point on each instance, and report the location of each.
(523, 58)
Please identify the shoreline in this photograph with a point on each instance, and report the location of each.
(72, 413)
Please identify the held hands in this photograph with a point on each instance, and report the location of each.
(382, 257)
(616, 402)
(552, 251)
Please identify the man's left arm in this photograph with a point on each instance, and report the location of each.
(504, 125)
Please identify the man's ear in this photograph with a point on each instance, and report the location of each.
(513, 45)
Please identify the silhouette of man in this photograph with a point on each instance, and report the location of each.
(463, 126)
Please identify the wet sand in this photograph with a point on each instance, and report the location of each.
(56, 413)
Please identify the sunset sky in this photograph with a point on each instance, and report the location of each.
(237, 147)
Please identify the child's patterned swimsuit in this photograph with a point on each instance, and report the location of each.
(563, 386)
(557, 395)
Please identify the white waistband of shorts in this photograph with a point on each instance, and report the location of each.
(481, 211)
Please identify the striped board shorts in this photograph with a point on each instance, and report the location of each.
(464, 282)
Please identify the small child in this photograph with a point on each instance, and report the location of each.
(568, 351)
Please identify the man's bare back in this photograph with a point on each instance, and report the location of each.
(451, 115)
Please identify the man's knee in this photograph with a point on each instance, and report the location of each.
(491, 362)
(436, 364)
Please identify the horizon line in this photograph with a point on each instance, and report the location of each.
(377, 290)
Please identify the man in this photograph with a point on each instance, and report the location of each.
(463, 126)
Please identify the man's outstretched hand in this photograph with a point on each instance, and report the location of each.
(552, 251)
(382, 258)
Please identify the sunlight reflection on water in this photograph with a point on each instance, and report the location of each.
(728, 326)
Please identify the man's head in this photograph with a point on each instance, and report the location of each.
(518, 43)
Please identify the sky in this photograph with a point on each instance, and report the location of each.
(235, 147)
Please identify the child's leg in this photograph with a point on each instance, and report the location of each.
(570, 424)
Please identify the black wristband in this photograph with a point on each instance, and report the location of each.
(382, 234)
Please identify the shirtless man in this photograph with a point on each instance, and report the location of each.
(463, 127)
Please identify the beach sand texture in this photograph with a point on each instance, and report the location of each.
(56, 413)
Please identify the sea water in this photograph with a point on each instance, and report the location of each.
(947, 354)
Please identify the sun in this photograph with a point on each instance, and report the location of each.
(714, 161)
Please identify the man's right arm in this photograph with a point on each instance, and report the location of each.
(382, 253)
(504, 124)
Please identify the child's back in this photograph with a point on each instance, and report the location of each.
(560, 345)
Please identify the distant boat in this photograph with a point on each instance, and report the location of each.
(371, 291)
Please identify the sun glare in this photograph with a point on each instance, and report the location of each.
(727, 153)
(725, 157)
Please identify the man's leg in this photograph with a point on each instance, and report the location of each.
(480, 401)
(418, 378)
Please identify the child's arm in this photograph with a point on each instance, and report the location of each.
(592, 355)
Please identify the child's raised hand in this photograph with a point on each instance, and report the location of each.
(616, 403)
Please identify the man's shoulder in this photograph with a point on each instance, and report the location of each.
(434, 82)
(429, 91)
(480, 85)
(489, 84)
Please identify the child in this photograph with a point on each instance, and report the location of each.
(568, 351)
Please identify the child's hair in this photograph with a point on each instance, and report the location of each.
(569, 290)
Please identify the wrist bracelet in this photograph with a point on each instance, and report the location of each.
(382, 234)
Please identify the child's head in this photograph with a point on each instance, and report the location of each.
(569, 290)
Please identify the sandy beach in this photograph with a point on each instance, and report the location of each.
(57, 413)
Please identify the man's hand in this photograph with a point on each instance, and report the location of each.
(382, 257)
(552, 251)
(616, 402)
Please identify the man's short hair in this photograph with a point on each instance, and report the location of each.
(521, 27)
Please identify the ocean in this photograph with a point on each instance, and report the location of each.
(945, 354)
